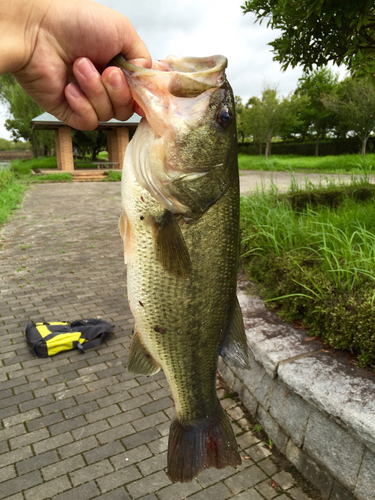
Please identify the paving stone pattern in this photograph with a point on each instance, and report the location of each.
(80, 426)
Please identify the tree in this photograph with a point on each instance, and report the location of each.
(257, 122)
(316, 117)
(24, 109)
(354, 105)
(267, 117)
(319, 31)
(14, 146)
(89, 142)
(293, 126)
(242, 119)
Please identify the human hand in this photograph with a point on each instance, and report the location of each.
(69, 43)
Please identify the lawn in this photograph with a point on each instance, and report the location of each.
(11, 192)
(352, 164)
(312, 254)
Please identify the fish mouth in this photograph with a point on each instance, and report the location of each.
(186, 76)
(194, 66)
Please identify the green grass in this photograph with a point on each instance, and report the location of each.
(316, 263)
(352, 164)
(22, 170)
(114, 176)
(11, 192)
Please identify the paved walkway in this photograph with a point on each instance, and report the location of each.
(80, 426)
(255, 179)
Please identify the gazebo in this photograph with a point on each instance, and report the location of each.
(117, 138)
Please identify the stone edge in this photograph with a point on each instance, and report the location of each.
(334, 457)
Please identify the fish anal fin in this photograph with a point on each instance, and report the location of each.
(140, 360)
(202, 445)
(235, 350)
(170, 247)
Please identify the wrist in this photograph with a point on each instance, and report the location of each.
(19, 24)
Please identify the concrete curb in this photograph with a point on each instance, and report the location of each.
(317, 408)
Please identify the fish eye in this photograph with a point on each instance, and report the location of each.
(224, 117)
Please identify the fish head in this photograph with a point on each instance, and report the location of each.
(190, 130)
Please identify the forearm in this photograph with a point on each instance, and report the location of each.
(19, 22)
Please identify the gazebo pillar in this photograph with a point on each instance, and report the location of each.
(64, 148)
(117, 141)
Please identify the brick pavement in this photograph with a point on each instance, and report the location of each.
(80, 426)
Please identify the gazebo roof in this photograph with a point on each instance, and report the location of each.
(46, 121)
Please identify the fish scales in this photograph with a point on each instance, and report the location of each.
(193, 311)
(184, 314)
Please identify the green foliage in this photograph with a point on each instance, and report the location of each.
(312, 254)
(243, 129)
(319, 31)
(89, 143)
(267, 117)
(354, 105)
(316, 118)
(14, 146)
(23, 109)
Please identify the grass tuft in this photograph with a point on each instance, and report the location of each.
(11, 193)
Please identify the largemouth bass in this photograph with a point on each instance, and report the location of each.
(180, 225)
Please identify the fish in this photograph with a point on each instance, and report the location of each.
(180, 227)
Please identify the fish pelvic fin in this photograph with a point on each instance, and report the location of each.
(140, 360)
(170, 247)
(235, 350)
(201, 445)
(124, 229)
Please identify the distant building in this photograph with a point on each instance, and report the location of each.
(117, 138)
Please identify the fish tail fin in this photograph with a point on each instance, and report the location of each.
(206, 443)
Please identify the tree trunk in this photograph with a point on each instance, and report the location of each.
(317, 145)
(363, 148)
(268, 145)
(34, 144)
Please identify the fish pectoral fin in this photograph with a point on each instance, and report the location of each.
(170, 247)
(140, 360)
(235, 350)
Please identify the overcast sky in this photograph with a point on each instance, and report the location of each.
(204, 28)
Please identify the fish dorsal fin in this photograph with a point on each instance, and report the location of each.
(235, 350)
(140, 360)
(170, 247)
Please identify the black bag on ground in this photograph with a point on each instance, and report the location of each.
(48, 339)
